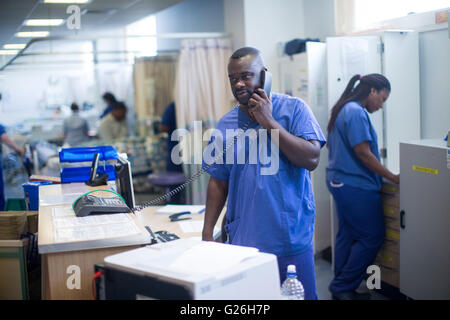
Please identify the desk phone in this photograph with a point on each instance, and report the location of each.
(89, 204)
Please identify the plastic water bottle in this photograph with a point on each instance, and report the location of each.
(292, 288)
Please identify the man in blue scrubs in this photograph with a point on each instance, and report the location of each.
(275, 212)
(6, 140)
(169, 125)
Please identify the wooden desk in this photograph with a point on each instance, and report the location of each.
(58, 258)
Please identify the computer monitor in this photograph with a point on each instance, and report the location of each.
(124, 181)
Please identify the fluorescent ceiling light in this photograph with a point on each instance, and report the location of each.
(66, 1)
(43, 22)
(32, 34)
(9, 51)
(14, 46)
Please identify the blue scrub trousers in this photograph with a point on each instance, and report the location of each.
(304, 263)
(360, 235)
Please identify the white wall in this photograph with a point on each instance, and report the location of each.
(189, 16)
(434, 54)
(319, 19)
(263, 24)
(235, 21)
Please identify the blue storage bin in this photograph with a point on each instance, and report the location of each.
(31, 190)
(84, 156)
(82, 174)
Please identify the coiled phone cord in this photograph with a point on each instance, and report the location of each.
(193, 178)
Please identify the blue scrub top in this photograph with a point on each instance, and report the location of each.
(351, 128)
(274, 213)
(2, 131)
(169, 119)
(107, 110)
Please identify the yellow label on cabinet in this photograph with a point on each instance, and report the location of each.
(426, 170)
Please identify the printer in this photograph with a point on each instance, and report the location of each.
(189, 269)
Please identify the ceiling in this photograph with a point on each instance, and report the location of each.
(97, 16)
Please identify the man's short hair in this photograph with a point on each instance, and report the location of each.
(245, 51)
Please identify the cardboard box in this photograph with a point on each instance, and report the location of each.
(15, 223)
(390, 201)
(390, 188)
(392, 235)
(390, 245)
(390, 276)
(392, 224)
(32, 219)
(391, 212)
(12, 225)
(388, 259)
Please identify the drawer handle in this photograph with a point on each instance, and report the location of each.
(402, 219)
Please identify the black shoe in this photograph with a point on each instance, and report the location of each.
(352, 295)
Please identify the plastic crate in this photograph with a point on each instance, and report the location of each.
(31, 190)
(84, 156)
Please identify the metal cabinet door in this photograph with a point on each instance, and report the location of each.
(425, 237)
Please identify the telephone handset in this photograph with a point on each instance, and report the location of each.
(266, 84)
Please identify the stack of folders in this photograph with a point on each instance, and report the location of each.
(12, 225)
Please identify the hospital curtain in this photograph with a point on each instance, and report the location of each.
(202, 94)
(154, 80)
(344, 16)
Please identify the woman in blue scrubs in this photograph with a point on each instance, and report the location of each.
(6, 140)
(354, 178)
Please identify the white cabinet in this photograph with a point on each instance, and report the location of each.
(304, 75)
(425, 212)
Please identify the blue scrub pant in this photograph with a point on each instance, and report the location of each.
(304, 263)
(2, 188)
(360, 236)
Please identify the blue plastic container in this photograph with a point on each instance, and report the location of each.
(31, 190)
(86, 155)
(82, 174)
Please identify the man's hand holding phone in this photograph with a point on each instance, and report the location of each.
(260, 107)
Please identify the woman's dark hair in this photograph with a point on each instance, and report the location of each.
(359, 93)
(108, 96)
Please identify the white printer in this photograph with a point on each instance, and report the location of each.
(190, 269)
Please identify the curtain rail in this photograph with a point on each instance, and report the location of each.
(193, 35)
